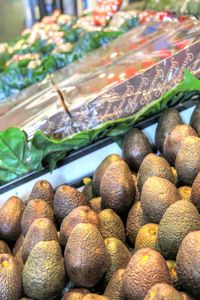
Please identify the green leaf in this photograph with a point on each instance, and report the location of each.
(16, 159)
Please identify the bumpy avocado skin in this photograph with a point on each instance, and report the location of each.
(114, 288)
(85, 253)
(41, 229)
(4, 248)
(188, 262)
(174, 139)
(162, 291)
(156, 196)
(188, 160)
(135, 147)
(96, 182)
(146, 268)
(135, 221)
(65, 200)
(36, 209)
(154, 165)
(10, 219)
(111, 225)
(44, 272)
(147, 237)
(118, 256)
(195, 195)
(168, 120)
(195, 119)
(179, 219)
(42, 190)
(10, 278)
(117, 187)
(81, 214)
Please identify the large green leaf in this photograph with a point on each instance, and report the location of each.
(16, 159)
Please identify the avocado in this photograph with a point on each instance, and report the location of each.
(94, 297)
(185, 192)
(75, 294)
(172, 269)
(163, 291)
(188, 160)
(4, 248)
(42, 190)
(85, 255)
(135, 147)
(135, 221)
(10, 219)
(111, 225)
(168, 120)
(147, 237)
(118, 256)
(65, 200)
(173, 141)
(41, 229)
(81, 214)
(195, 119)
(188, 262)
(101, 170)
(146, 268)
(10, 278)
(88, 191)
(19, 260)
(44, 273)
(117, 188)
(179, 219)
(18, 244)
(114, 288)
(96, 205)
(154, 165)
(156, 196)
(36, 209)
(195, 194)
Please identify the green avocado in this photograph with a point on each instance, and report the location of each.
(111, 225)
(156, 196)
(10, 219)
(44, 272)
(168, 120)
(96, 182)
(36, 209)
(135, 147)
(118, 256)
(10, 278)
(117, 188)
(179, 219)
(188, 263)
(134, 222)
(146, 268)
(188, 160)
(42, 190)
(114, 287)
(154, 165)
(85, 255)
(65, 200)
(41, 229)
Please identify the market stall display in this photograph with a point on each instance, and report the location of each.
(127, 220)
(50, 45)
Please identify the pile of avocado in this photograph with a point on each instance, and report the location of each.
(133, 233)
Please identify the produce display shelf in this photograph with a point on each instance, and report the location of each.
(82, 163)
